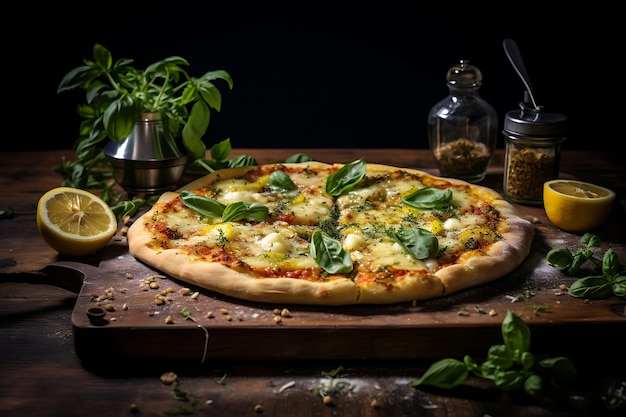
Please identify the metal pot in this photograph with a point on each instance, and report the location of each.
(148, 161)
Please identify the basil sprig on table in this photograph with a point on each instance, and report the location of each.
(429, 198)
(417, 242)
(611, 280)
(210, 207)
(329, 254)
(511, 366)
(345, 178)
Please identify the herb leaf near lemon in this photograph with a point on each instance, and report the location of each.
(610, 280)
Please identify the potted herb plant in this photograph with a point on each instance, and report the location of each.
(162, 98)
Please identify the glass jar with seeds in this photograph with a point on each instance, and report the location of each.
(463, 127)
(533, 142)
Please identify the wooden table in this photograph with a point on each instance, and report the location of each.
(43, 376)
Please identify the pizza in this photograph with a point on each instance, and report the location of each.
(316, 233)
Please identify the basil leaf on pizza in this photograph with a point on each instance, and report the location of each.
(331, 234)
(279, 181)
(244, 211)
(329, 254)
(418, 242)
(346, 177)
(210, 207)
(429, 198)
(205, 206)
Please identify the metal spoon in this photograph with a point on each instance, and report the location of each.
(514, 55)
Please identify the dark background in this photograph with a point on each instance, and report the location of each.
(320, 73)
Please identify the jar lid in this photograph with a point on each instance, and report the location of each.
(534, 122)
(464, 75)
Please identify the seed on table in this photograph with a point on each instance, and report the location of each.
(169, 378)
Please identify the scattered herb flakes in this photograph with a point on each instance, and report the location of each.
(187, 314)
(540, 309)
(333, 383)
(221, 380)
(479, 310)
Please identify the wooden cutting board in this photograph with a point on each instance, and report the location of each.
(219, 327)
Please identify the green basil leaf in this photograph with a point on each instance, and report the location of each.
(619, 286)
(509, 380)
(533, 386)
(244, 211)
(102, 56)
(560, 257)
(499, 356)
(298, 157)
(610, 264)
(445, 373)
(579, 258)
(127, 208)
(590, 240)
(417, 242)
(429, 198)
(281, 182)
(346, 177)
(516, 334)
(242, 161)
(120, 117)
(211, 95)
(195, 128)
(559, 369)
(527, 360)
(329, 254)
(205, 206)
(593, 287)
(221, 150)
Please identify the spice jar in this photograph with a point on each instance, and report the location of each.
(463, 127)
(533, 142)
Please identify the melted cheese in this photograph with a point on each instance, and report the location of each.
(365, 216)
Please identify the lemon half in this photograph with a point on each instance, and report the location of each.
(576, 206)
(75, 222)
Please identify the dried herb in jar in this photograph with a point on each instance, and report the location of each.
(528, 170)
(462, 158)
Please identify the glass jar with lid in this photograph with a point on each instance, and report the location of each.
(463, 127)
(533, 140)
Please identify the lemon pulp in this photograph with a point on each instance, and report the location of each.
(75, 222)
(577, 206)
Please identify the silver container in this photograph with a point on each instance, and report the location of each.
(148, 161)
